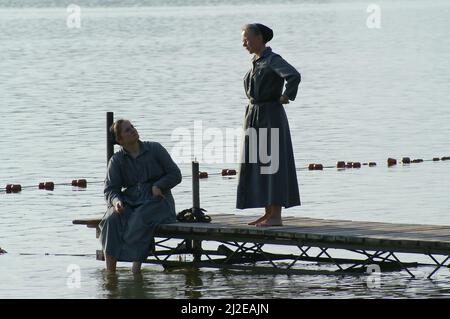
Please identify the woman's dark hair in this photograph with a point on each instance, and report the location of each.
(116, 129)
(259, 29)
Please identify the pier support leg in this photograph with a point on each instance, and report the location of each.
(439, 265)
(403, 266)
(197, 250)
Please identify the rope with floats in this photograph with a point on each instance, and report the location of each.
(341, 165)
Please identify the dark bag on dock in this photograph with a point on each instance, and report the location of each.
(188, 216)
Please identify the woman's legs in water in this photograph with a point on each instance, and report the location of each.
(111, 263)
(136, 268)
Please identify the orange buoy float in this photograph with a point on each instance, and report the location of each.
(82, 183)
(13, 188)
(391, 161)
(315, 167)
(79, 183)
(16, 188)
(49, 186)
(227, 172)
(340, 164)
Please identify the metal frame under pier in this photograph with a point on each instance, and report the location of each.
(316, 243)
(248, 253)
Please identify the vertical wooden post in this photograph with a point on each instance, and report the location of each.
(195, 189)
(109, 136)
(197, 250)
(196, 244)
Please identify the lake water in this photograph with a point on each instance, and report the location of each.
(366, 94)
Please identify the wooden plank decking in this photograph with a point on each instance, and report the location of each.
(342, 234)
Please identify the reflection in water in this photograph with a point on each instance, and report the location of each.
(151, 283)
(125, 285)
(154, 283)
(194, 284)
(110, 283)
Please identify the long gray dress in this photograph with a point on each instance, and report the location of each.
(128, 236)
(263, 86)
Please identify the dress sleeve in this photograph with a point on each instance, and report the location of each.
(172, 174)
(113, 182)
(287, 72)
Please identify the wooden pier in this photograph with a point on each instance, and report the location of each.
(243, 247)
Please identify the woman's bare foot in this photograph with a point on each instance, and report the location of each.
(111, 263)
(274, 219)
(270, 222)
(260, 219)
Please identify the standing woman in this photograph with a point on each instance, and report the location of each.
(265, 120)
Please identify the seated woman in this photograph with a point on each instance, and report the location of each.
(137, 191)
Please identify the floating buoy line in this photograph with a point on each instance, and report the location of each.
(340, 165)
(2, 251)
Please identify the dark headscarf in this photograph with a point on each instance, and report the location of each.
(267, 33)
